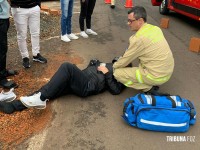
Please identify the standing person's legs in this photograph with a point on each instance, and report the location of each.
(34, 25)
(91, 5)
(90, 9)
(4, 25)
(82, 16)
(69, 21)
(69, 17)
(64, 15)
(83, 13)
(20, 16)
(64, 20)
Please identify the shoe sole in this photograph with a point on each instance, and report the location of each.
(36, 60)
(37, 107)
(65, 41)
(91, 33)
(84, 37)
(73, 39)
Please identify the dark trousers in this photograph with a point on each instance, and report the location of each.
(87, 8)
(4, 25)
(68, 79)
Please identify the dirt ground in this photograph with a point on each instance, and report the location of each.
(12, 130)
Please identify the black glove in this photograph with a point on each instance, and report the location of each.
(129, 65)
(94, 62)
(115, 59)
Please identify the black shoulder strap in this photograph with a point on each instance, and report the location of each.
(180, 98)
(153, 100)
(140, 98)
(126, 105)
(192, 110)
(173, 102)
(168, 97)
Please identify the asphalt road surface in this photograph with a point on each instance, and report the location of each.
(95, 123)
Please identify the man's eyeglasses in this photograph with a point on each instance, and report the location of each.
(131, 21)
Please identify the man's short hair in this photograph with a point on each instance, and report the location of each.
(139, 12)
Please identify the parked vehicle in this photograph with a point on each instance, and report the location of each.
(190, 8)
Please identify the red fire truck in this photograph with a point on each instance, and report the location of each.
(190, 8)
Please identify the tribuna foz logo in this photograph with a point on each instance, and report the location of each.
(180, 138)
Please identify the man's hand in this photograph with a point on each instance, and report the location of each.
(103, 69)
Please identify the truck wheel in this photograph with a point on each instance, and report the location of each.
(163, 7)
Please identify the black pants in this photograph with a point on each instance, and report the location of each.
(87, 8)
(68, 79)
(4, 25)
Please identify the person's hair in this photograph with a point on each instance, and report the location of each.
(139, 12)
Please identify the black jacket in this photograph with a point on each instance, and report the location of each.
(98, 82)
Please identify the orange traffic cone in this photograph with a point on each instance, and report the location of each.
(129, 4)
(107, 1)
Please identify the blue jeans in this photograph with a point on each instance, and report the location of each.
(66, 8)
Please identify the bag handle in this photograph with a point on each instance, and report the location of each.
(168, 97)
(192, 110)
(173, 102)
(140, 98)
(153, 100)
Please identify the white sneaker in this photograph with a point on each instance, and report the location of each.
(34, 101)
(90, 31)
(72, 36)
(83, 34)
(7, 96)
(65, 38)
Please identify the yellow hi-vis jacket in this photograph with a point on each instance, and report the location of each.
(149, 45)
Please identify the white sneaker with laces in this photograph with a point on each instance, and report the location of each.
(72, 36)
(7, 96)
(90, 31)
(34, 101)
(65, 38)
(83, 34)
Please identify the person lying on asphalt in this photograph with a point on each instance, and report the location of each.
(96, 78)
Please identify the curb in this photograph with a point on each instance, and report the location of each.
(47, 10)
